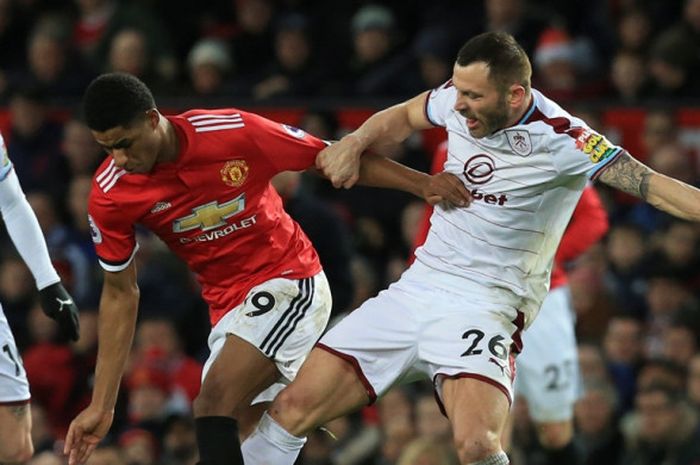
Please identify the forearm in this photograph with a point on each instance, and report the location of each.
(674, 197)
(388, 128)
(117, 322)
(25, 232)
(377, 171)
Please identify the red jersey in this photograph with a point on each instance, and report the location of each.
(214, 206)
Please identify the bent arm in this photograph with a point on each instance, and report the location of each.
(665, 193)
(378, 171)
(389, 127)
(24, 230)
(117, 322)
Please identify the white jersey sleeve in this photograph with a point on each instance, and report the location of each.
(581, 150)
(22, 225)
(439, 104)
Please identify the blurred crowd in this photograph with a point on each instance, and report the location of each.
(271, 50)
(636, 294)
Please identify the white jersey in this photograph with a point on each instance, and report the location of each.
(525, 181)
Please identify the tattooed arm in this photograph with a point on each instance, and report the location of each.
(665, 193)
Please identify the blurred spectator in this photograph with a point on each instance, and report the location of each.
(396, 424)
(436, 54)
(679, 342)
(598, 435)
(34, 142)
(51, 64)
(513, 16)
(179, 441)
(210, 66)
(623, 347)
(591, 362)
(659, 371)
(629, 77)
(665, 296)
(17, 296)
(140, 447)
(73, 261)
(376, 65)
(634, 31)
(253, 34)
(328, 233)
(562, 64)
(99, 21)
(693, 387)
(664, 430)
(670, 63)
(425, 451)
(80, 149)
(430, 422)
(129, 53)
(43, 438)
(294, 72)
(625, 274)
(46, 458)
(106, 455)
(149, 391)
(157, 343)
(59, 377)
(660, 130)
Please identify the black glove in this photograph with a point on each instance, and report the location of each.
(59, 306)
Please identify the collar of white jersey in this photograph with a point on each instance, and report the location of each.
(529, 112)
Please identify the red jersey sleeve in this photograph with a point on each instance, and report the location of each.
(287, 148)
(588, 225)
(112, 232)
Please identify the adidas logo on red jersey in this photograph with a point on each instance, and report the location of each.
(160, 206)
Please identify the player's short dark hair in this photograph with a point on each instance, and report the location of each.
(116, 99)
(507, 61)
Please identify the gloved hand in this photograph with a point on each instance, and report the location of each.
(59, 306)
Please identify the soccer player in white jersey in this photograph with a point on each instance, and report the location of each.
(457, 313)
(23, 228)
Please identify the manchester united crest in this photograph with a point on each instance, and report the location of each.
(234, 173)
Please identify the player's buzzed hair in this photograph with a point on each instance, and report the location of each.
(116, 99)
(507, 61)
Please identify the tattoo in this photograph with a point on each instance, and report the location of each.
(19, 410)
(628, 175)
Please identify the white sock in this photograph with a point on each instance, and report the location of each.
(270, 444)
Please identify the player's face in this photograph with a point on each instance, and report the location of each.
(479, 100)
(134, 148)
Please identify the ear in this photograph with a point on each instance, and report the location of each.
(153, 118)
(516, 95)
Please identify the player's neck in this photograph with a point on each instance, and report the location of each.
(171, 144)
(519, 111)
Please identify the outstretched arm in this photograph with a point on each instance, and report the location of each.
(377, 171)
(383, 130)
(663, 192)
(117, 322)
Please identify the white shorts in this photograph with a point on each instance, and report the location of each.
(283, 318)
(14, 387)
(548, 373)
(420, 328)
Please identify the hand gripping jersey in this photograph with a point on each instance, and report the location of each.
(525, 181)
(214, 206)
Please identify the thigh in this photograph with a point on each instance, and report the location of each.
(478, 411)
(471, 338)
(13, 379)
(378, 339)
(547, 369)
(280, 318)
(15, 425)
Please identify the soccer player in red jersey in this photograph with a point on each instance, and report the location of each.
(201, 182)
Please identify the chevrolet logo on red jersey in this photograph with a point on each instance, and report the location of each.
(210, 215)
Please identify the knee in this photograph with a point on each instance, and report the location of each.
(210, 402)
(17, 450)
(294, 411)
(474, 446)
(555, 435)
